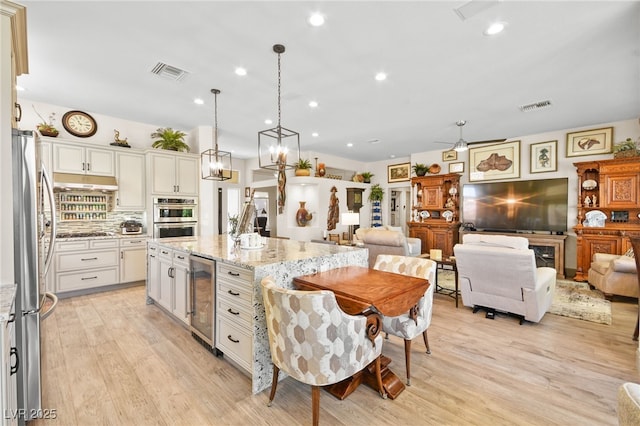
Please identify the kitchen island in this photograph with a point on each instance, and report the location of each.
(239, 273)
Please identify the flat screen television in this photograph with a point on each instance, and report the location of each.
(518, 206)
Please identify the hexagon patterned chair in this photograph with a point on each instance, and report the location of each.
(414, 323)
(314, 341)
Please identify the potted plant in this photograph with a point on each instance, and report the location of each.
(47, 128)
(627, 148)
(377, 193)
(420, 169)
(167, 138)
(366, 176)
(303, 167)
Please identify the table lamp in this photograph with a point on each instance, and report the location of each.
(350, 219)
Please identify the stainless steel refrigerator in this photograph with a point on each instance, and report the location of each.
(34, 238)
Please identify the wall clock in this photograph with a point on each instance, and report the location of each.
(79, 124)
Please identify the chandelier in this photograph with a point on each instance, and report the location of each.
(215, 164)
(278, 148)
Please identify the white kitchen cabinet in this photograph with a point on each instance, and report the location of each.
(174, 174)
(8, 376)
(132, 260)
(130, 174)
(153, 272)
(45, 155)
(71, 158)
(173, 283)
(85, 264)
(234, 332)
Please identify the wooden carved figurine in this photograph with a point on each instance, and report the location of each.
(334, 210)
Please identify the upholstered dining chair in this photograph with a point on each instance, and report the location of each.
(635, 243)
(412, 324)
(314, 341)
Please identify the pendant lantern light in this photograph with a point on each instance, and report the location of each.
(215, 164)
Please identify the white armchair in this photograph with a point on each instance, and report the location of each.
(499, 272)
(614, 274)
(387, 240)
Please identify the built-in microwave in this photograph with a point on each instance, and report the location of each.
(167, 210)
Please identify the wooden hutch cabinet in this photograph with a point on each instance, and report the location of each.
(613, 188)
(435, 212)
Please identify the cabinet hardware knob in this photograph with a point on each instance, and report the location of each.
(232, 339)
(89, 258)
(233, 293)
(231, 311)
(234, 274)
(89, 278)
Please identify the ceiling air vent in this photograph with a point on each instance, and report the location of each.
(535, 106)
(169, 71)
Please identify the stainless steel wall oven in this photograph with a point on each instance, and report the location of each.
(175, 217)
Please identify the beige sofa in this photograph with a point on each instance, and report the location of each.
(614, 274)
(386, 240)
(500, 273)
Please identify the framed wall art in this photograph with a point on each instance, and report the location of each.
(456, 167)
(492, 162)
(544, 157)
(399, 172)
(451, 155)
(590, 142)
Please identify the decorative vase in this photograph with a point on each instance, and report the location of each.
(302, 215)
(421, 172)
(321, 170)
(303, 172)
(434, 169)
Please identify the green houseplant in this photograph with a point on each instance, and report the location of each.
(420, 169)
(367, 176)
(627, 148)
(46, 128)
(303, 167)
(167, 138)
(377, 193)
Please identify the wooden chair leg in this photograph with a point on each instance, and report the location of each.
(426, 341)
(315, 404)
(274, 384)
(407, 359)
(635, 333)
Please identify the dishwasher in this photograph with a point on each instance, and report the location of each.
(203, 294)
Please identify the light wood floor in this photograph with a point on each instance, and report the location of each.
(111, 359)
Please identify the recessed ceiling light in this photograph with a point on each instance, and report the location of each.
(198, 101)
(494, 28)
(316, 19)
(267, 121)
(241, 71)
(392, 156)
(315, 134)
(313, 104)
(349, 144)
(381, 76)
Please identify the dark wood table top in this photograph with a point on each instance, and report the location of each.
(359, 289)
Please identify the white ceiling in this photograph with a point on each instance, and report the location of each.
(582, 55)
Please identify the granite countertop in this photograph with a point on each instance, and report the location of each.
(7, 297)
(274, 250)
(104, 237)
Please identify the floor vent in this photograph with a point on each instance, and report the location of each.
(535, 106)
(169, 71)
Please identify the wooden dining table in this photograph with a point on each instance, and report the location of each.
(364, 291)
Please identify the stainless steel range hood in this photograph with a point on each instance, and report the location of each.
(69, 181)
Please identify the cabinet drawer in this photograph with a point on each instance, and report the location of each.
(136, 242)
(234, 313)
(181, 257)
(166, 253)
(86, 260)
(235, 294)
(101, 244)
(72, 245)
(234, 342)
(82, 280)
(233, 272)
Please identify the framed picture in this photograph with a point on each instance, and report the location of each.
(544, 157)
(590, 142)
(492, 162)
(451, 155)
(247, 192)
(456, 167)
(399, 172)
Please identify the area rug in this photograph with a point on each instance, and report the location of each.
(571, 299)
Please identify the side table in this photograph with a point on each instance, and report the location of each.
(450, 265)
